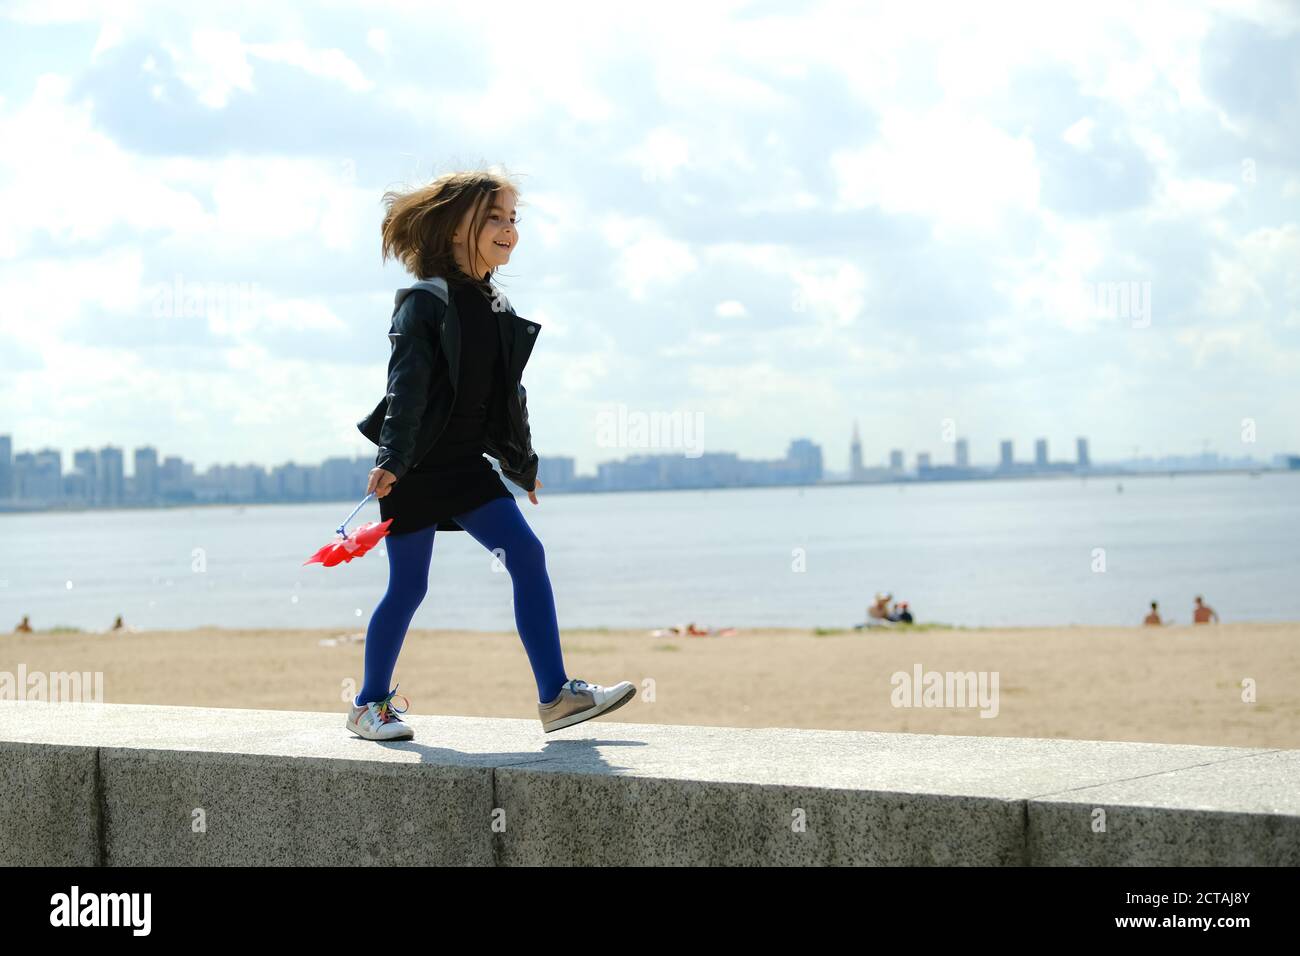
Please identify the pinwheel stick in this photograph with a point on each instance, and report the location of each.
(342, 529)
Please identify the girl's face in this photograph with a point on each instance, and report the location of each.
(497, 240)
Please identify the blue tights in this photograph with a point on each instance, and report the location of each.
(500, 527)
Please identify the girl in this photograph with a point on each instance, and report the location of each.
(453, 394)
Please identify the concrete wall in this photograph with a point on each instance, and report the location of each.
(124, 785)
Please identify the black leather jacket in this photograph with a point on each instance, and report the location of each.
(423, 371)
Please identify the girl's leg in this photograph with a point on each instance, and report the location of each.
(408, 582)
(500, 526)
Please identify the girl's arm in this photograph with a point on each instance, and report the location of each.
(410, 371)
(524, 474)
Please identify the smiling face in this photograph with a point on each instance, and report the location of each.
(497, 239)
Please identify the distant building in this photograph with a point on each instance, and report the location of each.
(146, 474)
(84, 482)
(855, 455)
(1040, 452)
(805, 460)
(335, 478)
(962, 459)
(896, 460)
(1007, 458)
(176, 477)
(38, 475)
(6, 466)
(292, 481)
(1082, 445)
(49, 473)
(802, 464)
(112, 476)
(923, 461)
(555, 471)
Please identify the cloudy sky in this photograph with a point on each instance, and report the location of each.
(1030, 222)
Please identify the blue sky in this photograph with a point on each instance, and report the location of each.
(777, 218)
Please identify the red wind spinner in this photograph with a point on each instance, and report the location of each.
(351, 545)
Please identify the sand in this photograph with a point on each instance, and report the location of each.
(1172, 685)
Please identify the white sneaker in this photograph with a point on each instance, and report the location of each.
(378, 719)
(579, 701)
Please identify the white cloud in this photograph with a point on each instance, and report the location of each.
(1079, 134)
(377, 39)
(832, 293)
(583, 371)
(214, 65)
(216, 62)
(1189, 198)
(1257, 280)
(660, 154)
(954, 169)
(328, 63)
(43, 300)
(71, 182)
(735, 391)
(645, 256)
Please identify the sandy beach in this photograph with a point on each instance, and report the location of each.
(1173, 685)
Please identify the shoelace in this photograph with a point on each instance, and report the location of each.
(387, 711)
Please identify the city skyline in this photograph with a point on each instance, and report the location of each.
(98, 476)
(1244, 449)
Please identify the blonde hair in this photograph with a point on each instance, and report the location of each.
(419, 223)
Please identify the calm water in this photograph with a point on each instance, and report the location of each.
(986, 553)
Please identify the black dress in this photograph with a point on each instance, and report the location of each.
(455, 477)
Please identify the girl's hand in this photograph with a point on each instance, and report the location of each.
(532, 495)
(381, 482)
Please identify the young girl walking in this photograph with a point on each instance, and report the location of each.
(458, 349)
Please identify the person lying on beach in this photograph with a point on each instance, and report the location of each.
(693, 629)
(703, 630)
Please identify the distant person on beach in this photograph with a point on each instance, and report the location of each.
(880, 610)
(433, 430)
(1203, 612)
(1154, 617)
(903, 615)
(118, 625)
(707, 630)
(24, 626)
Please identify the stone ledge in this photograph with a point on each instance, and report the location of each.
(124, 784)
